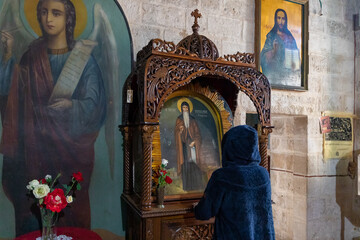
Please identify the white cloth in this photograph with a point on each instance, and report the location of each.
(61, 237)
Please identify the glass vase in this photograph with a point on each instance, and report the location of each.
(48, 221)
(160, 192)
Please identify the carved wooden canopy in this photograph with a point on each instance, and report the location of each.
(163, 67)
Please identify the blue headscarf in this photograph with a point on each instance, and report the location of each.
(240, 146)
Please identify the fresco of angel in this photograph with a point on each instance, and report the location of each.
(57, 94)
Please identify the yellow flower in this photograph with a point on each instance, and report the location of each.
(41, 190)
(69, 199)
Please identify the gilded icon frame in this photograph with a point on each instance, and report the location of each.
(213, 117)
(288, 67)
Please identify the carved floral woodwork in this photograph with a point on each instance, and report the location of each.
(164, 75)
(196, 232)
(239, 57)
(200, 45)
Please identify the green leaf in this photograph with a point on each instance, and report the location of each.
(78, 187)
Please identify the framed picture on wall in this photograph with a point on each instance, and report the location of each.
(281, 42)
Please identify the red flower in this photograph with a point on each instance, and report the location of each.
(78, 176)
(56, 200)
(163, 172)
(168, 180)
(42, 181)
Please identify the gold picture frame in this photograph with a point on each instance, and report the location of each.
(213, 117)
(281, 42)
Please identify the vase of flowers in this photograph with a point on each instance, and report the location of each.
(161, 178)
(52, 201)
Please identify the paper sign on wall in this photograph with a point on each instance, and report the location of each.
(338, 135)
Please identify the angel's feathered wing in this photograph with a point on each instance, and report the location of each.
(106, 56)
(10, 22)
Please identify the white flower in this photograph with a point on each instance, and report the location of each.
(32, 184)
(69, 199)
(164, 162)
(41, 190)
(47, 177)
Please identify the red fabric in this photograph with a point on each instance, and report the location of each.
(75, 233)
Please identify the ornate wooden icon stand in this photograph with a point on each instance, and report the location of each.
(163, 69)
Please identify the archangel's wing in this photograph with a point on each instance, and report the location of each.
(106, 56)
(11, 22)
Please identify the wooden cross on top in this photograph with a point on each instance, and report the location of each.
(196, 14)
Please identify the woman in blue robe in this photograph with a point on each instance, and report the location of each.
(238, 195)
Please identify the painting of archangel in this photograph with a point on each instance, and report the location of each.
(59, 101)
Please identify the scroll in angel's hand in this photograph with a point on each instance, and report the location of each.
(60, 104)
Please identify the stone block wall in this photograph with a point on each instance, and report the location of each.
(313, 197)
(230, 24)
(288, 151)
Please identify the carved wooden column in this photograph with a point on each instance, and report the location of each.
(127, 160)
(147, 137)
(263, 144)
